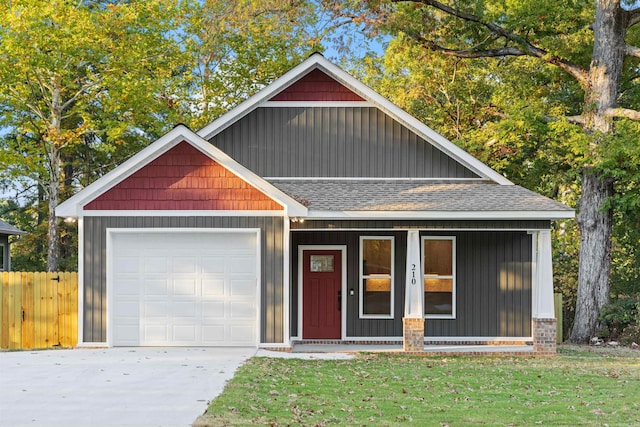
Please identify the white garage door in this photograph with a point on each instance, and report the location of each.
(183, 288)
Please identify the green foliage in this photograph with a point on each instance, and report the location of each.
(620, 313)
(90, 83)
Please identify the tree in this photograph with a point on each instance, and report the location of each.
(80, 76)
(593, 45)
(240, 46)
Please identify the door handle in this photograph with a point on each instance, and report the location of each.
(340, 300)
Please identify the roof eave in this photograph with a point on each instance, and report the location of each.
(441, 215)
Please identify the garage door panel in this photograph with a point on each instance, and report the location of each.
(185, 309)
(126, 308)
(213, 333)
(242, 287)
(242, 264)
(187, 289)
(185, 264)
(213, 264)
(212, 287)
(127, 265)
(184, 334)
(152, 286)
(213, 310)
(237, 332)
(241, 311)
(155, 309)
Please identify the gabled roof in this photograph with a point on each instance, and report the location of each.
(318, 62)
(8, 229)
(74, 206)
(421, 199)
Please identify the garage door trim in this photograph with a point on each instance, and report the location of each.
(110, 232)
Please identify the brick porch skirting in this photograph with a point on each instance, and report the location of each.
(413, 334)
(544, 337)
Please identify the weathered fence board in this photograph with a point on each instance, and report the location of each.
(38, 310)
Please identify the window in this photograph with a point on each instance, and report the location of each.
(1, 257)
(376, 277)
(439, 277)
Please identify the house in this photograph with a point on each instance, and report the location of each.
(6, 230)
(314, 211)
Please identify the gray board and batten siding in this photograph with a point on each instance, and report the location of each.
(352, 142)
(493, 283)
(271, 265)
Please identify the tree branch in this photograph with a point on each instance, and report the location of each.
(626, 113)
(576, 119)
(525, 47)
(633, 17)
(632, 51)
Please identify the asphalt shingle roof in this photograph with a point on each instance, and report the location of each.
(6, 228)
(415, 195)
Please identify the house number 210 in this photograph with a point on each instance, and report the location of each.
(413, 274)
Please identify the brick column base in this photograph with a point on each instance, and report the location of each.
(544, 337)
(413, 334)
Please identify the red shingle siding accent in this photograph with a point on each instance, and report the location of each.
(183, 179)
(317, 86)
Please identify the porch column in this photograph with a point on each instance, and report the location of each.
(544, 318)
(413, 321)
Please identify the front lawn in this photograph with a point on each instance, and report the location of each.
(577, 388)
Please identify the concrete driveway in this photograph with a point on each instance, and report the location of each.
(113, 387)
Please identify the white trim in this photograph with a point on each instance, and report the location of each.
(361, 277)
(343, 317)
(452, 276)
(317, 61)
(286, 281)
(109, 232)
(430, 230)
(81, 283)
(488, 339)
(73, 206)
(441, 215)
(92, 345)
(280, 104)
(180, 213)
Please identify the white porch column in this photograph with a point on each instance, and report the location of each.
(543, 286)
(413, 321)
(544, 318)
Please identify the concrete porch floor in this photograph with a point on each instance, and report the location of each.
(500, 350)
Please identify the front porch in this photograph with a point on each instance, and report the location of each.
(516, 348)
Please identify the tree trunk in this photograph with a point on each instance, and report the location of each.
(54, 196)
(595, 255)
(610, 27)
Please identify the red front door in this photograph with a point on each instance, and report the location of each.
(321, 294)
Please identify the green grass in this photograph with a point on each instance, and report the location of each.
(577, 388)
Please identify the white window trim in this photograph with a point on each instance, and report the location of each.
(452, 277)
(362, 277)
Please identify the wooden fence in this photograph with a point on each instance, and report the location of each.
(38, 310)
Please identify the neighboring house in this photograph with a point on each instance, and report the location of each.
(314, 210)
(7, 230)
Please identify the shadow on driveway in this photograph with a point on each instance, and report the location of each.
(113, 387)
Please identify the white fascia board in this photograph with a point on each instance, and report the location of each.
(73, 207)
(179, 213)
(440, 215)
(371, 96)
